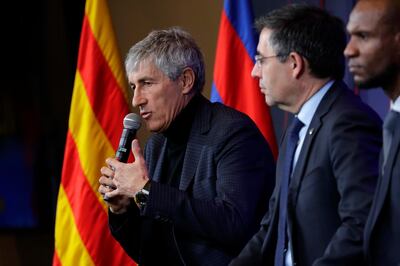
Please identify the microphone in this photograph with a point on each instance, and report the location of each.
(132, 124)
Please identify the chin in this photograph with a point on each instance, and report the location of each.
(269, 103)
(385, 78)
(151, 128)
(368, 84)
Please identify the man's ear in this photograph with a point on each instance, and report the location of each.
(187, 80)
(296, 64)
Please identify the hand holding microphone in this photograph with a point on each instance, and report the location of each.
(131, 123)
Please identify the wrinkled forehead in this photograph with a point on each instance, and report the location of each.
(145, 69)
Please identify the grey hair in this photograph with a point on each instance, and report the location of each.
(171, 50)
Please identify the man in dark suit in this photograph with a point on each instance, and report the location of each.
(201, 187)
(374, 60)
(327, 169)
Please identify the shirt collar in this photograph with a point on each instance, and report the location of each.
(308, 109)
(396, 104)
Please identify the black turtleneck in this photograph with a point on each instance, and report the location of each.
(177, 136)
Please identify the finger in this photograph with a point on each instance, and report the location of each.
(112, 163)
(106, 181)
(107, 172)
(103, 189)
(136, 150)
(111, 194)
(106, 197)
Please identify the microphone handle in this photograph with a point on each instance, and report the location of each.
(124, 148)
(125, 143)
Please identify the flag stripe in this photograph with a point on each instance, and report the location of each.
(92, 65)
(215, 97)
(56, 260)
(92, 143)
(69, 247)
(233, 81)
(240, 16)
(99, 20)
(90, 217)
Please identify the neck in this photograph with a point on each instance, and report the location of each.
(393, 90)
(311, 87)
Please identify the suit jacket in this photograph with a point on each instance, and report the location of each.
(382, 231)
(331, 188)
(227, 177)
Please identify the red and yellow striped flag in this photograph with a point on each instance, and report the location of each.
(99, 104)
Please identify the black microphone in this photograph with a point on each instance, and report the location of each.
(132, 124)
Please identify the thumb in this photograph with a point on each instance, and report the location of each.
(136, 150)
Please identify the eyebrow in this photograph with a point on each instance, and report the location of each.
(143, 79)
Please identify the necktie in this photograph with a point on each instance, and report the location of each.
(292, 138)
(388, 128)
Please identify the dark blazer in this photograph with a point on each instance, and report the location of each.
(331, 189)
(227, 178)
(382, 231)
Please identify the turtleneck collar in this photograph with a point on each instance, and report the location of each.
(179, 129)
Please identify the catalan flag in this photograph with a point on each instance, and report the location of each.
(234, 60)
(99, 104)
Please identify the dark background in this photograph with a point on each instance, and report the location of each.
(40, 45)
(39, 51)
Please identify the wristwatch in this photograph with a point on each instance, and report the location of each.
(142, 195)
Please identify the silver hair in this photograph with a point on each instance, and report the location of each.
(171, 50)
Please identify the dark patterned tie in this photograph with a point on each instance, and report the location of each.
(388, 128)
(292, 138)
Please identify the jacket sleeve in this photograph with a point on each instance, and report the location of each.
(254, 253)
(126, 229)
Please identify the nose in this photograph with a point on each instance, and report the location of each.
(255, 72)
(137, 98)
(351, 49)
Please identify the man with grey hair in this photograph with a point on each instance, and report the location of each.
(200, 190)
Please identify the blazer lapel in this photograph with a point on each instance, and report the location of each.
(159, 166)
(312, 131)
(300, 167)
(200, 126)
(385, 179)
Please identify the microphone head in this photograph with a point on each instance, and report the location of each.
(132, 121)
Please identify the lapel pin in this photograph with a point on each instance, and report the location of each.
(311, 131)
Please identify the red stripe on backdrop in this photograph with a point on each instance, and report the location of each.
(90, 217)
(247, 96)
(101, 84)
(56, 260)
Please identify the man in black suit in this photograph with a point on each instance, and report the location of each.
(202, 184)
(326, 181)
(374, 60)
